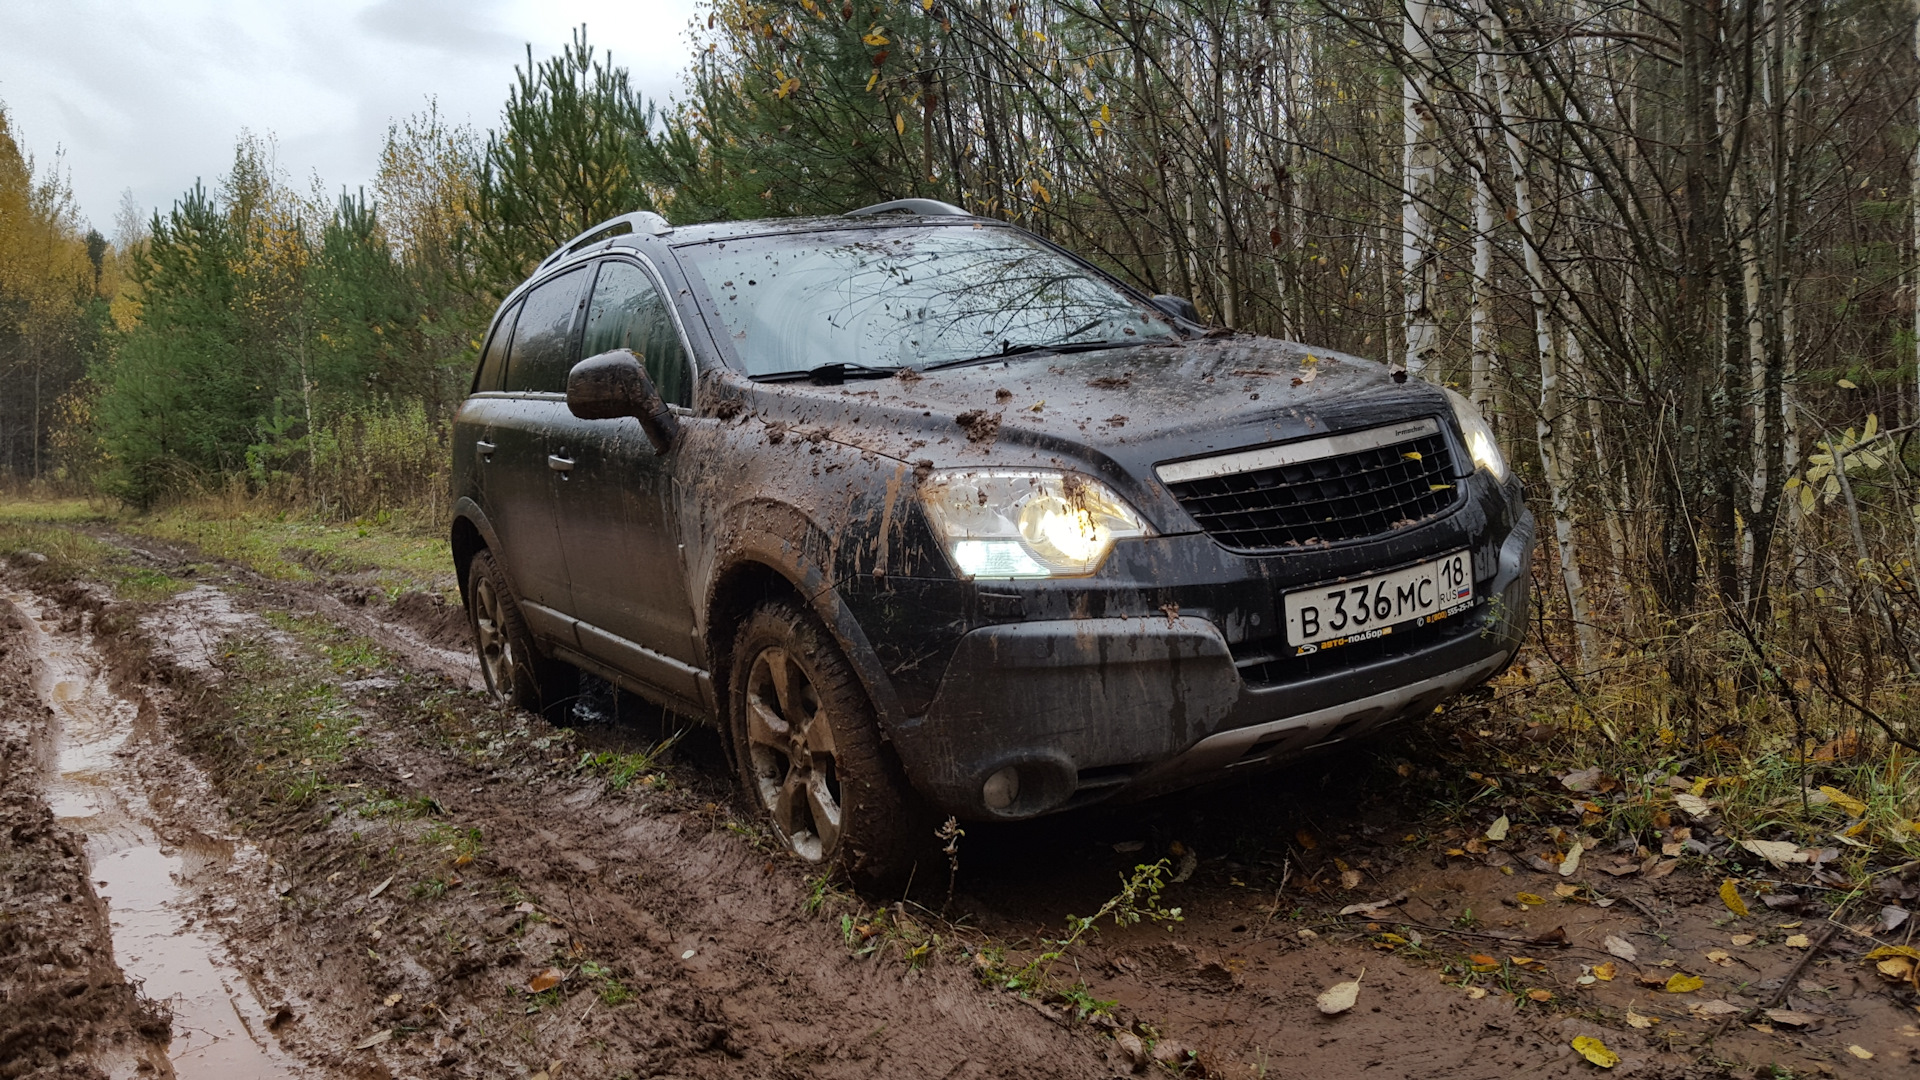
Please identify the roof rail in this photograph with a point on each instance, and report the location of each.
(923, 207)
(640, 221)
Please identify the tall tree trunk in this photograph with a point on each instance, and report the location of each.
(1419, 261)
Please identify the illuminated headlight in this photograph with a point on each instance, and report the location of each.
(1008, 523)
(1481, 445)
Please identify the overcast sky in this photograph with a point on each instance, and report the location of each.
(151, 94)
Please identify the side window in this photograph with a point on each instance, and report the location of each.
(628, 313)
(493, 362)
(543, 337)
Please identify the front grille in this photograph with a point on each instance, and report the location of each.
(1347, 493)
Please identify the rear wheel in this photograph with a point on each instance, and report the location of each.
(809, 752)
(514, 669)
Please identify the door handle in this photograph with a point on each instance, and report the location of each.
(558, 463)
(486, 448)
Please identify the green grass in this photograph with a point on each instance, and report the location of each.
(393, 558)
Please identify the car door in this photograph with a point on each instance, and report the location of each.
(520, 465)
(616, 501)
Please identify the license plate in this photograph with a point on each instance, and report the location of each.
(1332, 615)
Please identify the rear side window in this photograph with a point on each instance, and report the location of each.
(543, 337)
(628, 312)
(494, 362)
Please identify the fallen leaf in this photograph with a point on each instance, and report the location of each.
(1306, 839)
(374, 1040)
(1672, 848)
(1898, 968)
(1743, 939)
(1350, 879)
(1604, 972)
(1778, 852)
(1581, 780)
(1721, 957)
(1498, 830)
(1662, 869)
(1376, 905)
(1694, 805)
(1885, 951)
(1710, 1009)
(1340, 997)
(1634, 1019)
(1540, 995)
(380, 888)
(1860, 1052)
(524, 908)
(1596, 1051)
(1797, 941)
(1891, 918)
(1556, 936)
(391, 1000)
(1571, 861)
(1483, 962)
(1792, 1018)
(1730, 896)
(1529, 898)
(1682, 983)
(1475, 993)
(1523, 961)
(544, 981)
(1564, 890)
(1622, 948)
(1846, 802)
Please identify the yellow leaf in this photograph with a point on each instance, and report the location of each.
(871, 79)
(1860, 1052)
(1540, 995)
(1701, 783)
(1730, 896)
(899, 124)
(1087, 92)
(546, 980)
(1483, 962)
(1529, 898)
(875, 37)
(1340, 997)
(1846, 802)
(1596, 1051)
(1885, 951)
(1498, 830)
(1798, 941)
(1106, 115)
(1604, 972)
(1847, 384)
(1682, 983)
(1634, 1019)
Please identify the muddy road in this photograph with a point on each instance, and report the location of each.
(260, 829)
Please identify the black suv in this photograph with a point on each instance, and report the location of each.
(928, 514)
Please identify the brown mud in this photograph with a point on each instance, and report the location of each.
(459, 890)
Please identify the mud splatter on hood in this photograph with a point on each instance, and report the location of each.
(1114, 412)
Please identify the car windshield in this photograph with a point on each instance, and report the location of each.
(908, 297)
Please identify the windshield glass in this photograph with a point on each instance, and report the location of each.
(907, 297)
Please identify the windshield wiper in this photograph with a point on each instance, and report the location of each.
(829, 374)
(1011, 350)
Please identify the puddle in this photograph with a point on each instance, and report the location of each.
(219, 1027)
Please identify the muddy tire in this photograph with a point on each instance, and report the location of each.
(514, 669)
(809, 755)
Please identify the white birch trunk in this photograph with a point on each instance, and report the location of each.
(1419, 261)
(1480, 375)
(1552, 419)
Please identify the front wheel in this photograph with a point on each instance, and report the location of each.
(808, 749)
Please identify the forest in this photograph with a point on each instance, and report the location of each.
(1672, 247)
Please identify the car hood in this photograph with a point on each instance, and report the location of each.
(1113, 413)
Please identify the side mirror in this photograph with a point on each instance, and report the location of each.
(1178, 306)
(612, 385)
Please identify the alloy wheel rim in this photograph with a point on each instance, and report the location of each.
(490, 638)
(791, 754)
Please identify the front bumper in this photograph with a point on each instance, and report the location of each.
(1085, 709)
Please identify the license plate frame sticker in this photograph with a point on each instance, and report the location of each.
(1338, 613)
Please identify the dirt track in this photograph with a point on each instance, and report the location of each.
(397, 864)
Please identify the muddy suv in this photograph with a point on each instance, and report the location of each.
(930, 516)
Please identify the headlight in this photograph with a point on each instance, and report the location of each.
(1008, 523)
(1481, 445)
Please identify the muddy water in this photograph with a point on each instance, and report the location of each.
(142, 869)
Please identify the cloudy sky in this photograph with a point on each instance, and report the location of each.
(149, 95)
